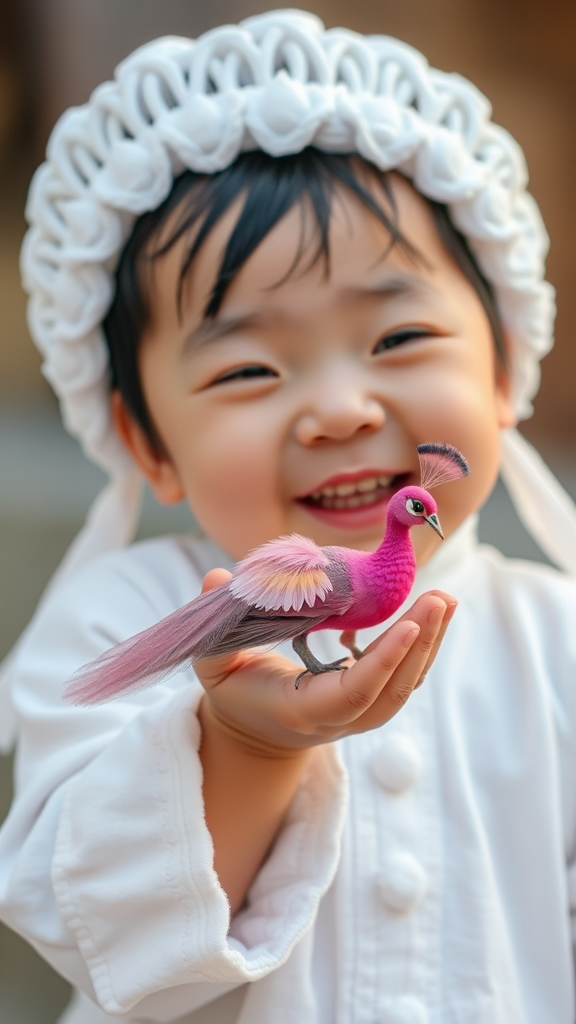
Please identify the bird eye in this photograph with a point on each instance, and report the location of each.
(415, 507)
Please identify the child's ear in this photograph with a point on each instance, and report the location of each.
(156, 467)
(503, 394)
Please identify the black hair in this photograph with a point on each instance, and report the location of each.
(270, 187)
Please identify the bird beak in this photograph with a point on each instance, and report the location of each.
(434, 522)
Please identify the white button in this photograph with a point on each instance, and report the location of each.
(396, 764)
(404, 1010)
(402, 883)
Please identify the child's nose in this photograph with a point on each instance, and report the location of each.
(338, 414)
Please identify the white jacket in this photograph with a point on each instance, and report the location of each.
(424, 874)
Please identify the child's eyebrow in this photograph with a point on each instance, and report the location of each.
(391, 287)
(209, 330)
(212, 330)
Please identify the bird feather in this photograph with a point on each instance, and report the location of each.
(283, 575)
(439, 464)
(148, 657)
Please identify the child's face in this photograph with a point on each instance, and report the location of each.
(292, 390)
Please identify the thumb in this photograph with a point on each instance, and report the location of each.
(212, 671)
(213, 578)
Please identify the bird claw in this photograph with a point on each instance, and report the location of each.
(332, 667)
(348, 640)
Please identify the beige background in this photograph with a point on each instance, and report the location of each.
(52, 53)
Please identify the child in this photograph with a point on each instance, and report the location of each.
(251, 231)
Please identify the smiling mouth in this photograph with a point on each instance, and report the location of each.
(352, 494)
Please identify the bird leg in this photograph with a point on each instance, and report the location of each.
(348, 640)
(313, 666)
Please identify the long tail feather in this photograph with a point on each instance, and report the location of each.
(261, 629)
(188, 634)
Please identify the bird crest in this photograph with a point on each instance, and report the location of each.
(283, 575)
(439, 464)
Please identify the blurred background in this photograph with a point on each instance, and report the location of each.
(52, 54)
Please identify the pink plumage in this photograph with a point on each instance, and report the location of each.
(283, 574)
(283, 590)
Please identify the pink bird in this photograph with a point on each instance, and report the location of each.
(283, 590)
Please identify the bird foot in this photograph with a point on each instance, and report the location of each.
(348, 640)
(333, 666)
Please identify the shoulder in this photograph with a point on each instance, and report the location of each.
(162, 572)
(119, 594)
(167, 570)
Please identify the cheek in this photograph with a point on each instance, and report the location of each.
(471, 424)
(231, 476)
(458, 398)
(459, 406)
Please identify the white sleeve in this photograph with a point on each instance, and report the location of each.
(106, 864)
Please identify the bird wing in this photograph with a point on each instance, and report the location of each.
(267, 627)
(285, 574)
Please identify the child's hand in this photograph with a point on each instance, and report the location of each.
(251, 694)
(257, 728)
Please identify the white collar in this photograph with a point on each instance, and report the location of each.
(449, 558)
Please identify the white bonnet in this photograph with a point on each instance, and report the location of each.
(278, 82)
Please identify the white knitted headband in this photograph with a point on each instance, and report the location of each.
(277, 82)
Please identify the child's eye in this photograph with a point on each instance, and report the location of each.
(245, 373)
(400, 337)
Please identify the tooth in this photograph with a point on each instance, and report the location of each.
(385, 481)
(345, 490)
(329, 492)
(369, 484)
(368, 499)
(354, 502)
(316, 495)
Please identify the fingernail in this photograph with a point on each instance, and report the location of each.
(410, 637)
(436, 615)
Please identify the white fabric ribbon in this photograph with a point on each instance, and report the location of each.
(541, 503)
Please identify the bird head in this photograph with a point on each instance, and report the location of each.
(439, 464)
(414, 506)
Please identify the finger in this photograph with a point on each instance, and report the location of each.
(244, 663)
(430, 612)
(213, 578)
(417, 612)
(211, 671)
(450, 609)
(336, 699)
